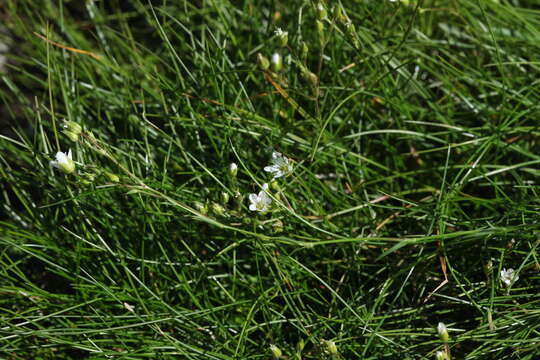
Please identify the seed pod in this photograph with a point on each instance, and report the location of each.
(263, 62)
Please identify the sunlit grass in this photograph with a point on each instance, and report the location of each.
(406, 189)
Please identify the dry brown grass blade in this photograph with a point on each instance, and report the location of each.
(78, 51)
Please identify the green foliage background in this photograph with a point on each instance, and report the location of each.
(415, 153)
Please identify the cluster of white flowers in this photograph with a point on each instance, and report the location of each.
(280, 166)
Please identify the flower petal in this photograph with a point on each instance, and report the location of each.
(271, 168)
(61, 157)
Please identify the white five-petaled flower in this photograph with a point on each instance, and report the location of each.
(508, 276)
(280, 165)
(280, 32)
(64, 162)
(260, 202)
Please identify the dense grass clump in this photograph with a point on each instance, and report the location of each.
(399, 141)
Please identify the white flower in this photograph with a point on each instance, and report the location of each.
(280, 165)
(64, 162)
(440, 355)
(280, 33)
(276, 61)
(260, 202)
(233, 169)
(282, 36)
(509, 276)
(443, 332)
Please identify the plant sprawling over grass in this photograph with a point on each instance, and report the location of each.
(256, 179)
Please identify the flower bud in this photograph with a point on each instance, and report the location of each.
(238, 200)
(300, 345)
(72, 130)
(276, 352)
(310, 77)
(321, 11)
(338, 11)
(71, 136)
(443, 332)
(200, 207)
(263, 62)
(89, 176)
(331, 347)
(351, 31)
(225, 197)
(218, 209)
(305, 51)
(320, 27)
(133, 119)
(441, 355)
(277, 227)
(233, 169)
(112, 177)
(72, 126)
(276, 62)
(282, 37)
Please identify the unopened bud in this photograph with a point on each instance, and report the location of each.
(276, 352)
(263, 62)
(89, 176)
(277, 226)
(133, 119)
(310, 77)
(225, 197)
(351, 31)
(300, 345)
(338, 11)
(218, 209)
(238, 200)
(112, 177)
(233, 169)
(321, 11)
(320, 27)
(282, 36)
(443, 332)
(331, 347)
(72, 130)
(71, 135)
(441, 355)
(305, 51)
(200, 207)
(72, 126)
(276, 62)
